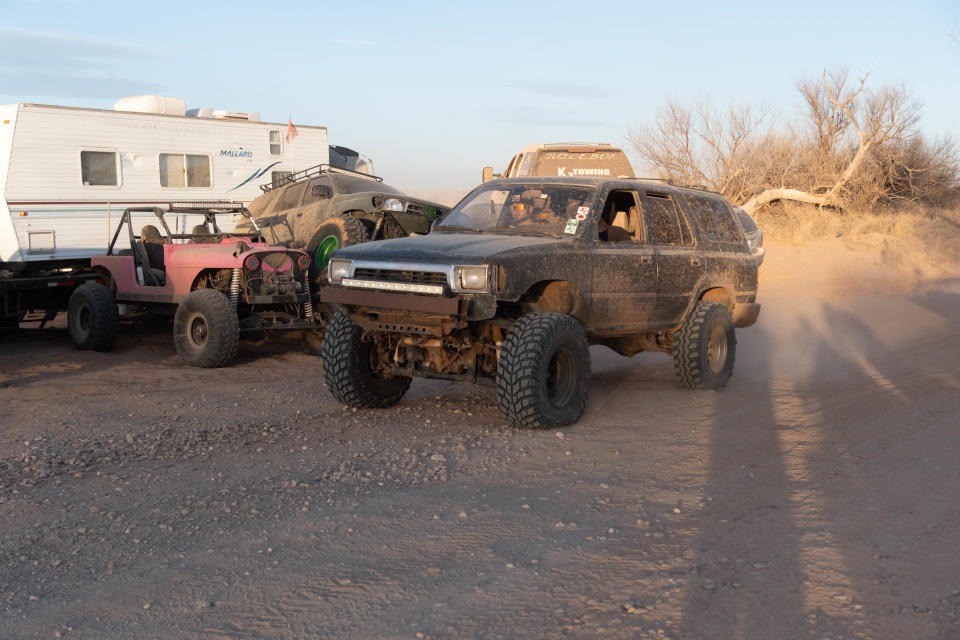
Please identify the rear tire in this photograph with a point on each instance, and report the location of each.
(334, 233)
(705, 347)
(346, 368)
(543, 375)
(92, 317)
(206, 331)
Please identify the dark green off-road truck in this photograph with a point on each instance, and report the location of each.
(523, 275)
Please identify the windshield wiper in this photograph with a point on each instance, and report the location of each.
(453, 227)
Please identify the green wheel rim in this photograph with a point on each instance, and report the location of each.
(325, 249)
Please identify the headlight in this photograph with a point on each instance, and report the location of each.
(337, 270)
(392, 204)
(471, 279)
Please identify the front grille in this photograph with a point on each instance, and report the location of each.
(396, 275)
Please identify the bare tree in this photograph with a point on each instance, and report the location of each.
(834, 160)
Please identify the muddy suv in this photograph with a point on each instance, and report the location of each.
(523, 275)
(324, 208)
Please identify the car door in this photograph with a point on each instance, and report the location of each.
(680, 265)
(624, 269)
(279, 226)
(315, 207)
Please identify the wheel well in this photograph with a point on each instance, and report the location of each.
(719, 295)
(212, 278)
(561, 296)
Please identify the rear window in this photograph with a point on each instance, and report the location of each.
(749, 224)
(663, 221)
(610, 164)
(715, 219)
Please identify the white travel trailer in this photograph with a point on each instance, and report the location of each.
(67, 174)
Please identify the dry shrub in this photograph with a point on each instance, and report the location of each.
(853, 149)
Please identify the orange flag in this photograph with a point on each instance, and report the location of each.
(291, 130)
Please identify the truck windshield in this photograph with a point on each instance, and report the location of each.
(533, 208)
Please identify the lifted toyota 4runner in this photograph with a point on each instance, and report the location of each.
(523, 275)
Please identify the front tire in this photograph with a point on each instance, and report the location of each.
(92, 317)
(206, 331)
(335, 233)
(347, 368)
(543, 374)
(705, 347)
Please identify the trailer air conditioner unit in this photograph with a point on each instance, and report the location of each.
(152, 104)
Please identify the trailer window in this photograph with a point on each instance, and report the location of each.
(276, 147)
(99, 168)
(179, 170)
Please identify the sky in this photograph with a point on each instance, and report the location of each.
(433, 91)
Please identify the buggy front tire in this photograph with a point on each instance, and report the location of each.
(206, 331)
(92, 317)
(705, 347)
(543, 374)
(347, 361)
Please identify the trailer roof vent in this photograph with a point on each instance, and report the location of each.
(152, 104)
(223, 114)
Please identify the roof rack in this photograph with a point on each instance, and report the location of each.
(313, 172)
(695, 187)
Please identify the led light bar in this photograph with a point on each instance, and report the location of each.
(382, 285)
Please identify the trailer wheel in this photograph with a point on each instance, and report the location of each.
(347, 369)
(206, 331)
(336, 232)
(543, 375)
(705, 347)
(92, 317)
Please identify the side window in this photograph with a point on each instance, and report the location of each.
(178, 170)
(620, 219)
(99, 169)
(715, 219)
(276, 177)
(527, 163)
(276, 144)
(511, 167)
(318, 189)
(291, 197)
(663, 222)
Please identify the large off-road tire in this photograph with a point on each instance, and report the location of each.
(206, 331)
(92, 317)
(543, 374)
(347, 368)
(705, 347)
(323, 312)
(334, 233)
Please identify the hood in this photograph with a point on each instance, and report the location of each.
(448, 248)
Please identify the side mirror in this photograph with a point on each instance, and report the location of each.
(322, 190)
(487, 174)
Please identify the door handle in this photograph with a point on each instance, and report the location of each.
(695, 261)
(299, 213)
(646, 259)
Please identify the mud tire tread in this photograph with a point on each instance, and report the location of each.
(521, 370)
(104, 317)
(690, 347)
(223, 329)
(349, 381)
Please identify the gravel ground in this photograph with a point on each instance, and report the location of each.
(814, 498)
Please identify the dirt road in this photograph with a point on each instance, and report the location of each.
(814, 498)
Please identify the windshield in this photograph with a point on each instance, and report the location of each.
(534, 208)
(598, 163)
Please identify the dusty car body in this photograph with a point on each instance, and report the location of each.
(523, 274)
(216, 285)
(324, 208)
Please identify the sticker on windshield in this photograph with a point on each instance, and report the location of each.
(572, 224)
(582, 213)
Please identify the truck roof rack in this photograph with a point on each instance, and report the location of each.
(695, 187)
(314, 172)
